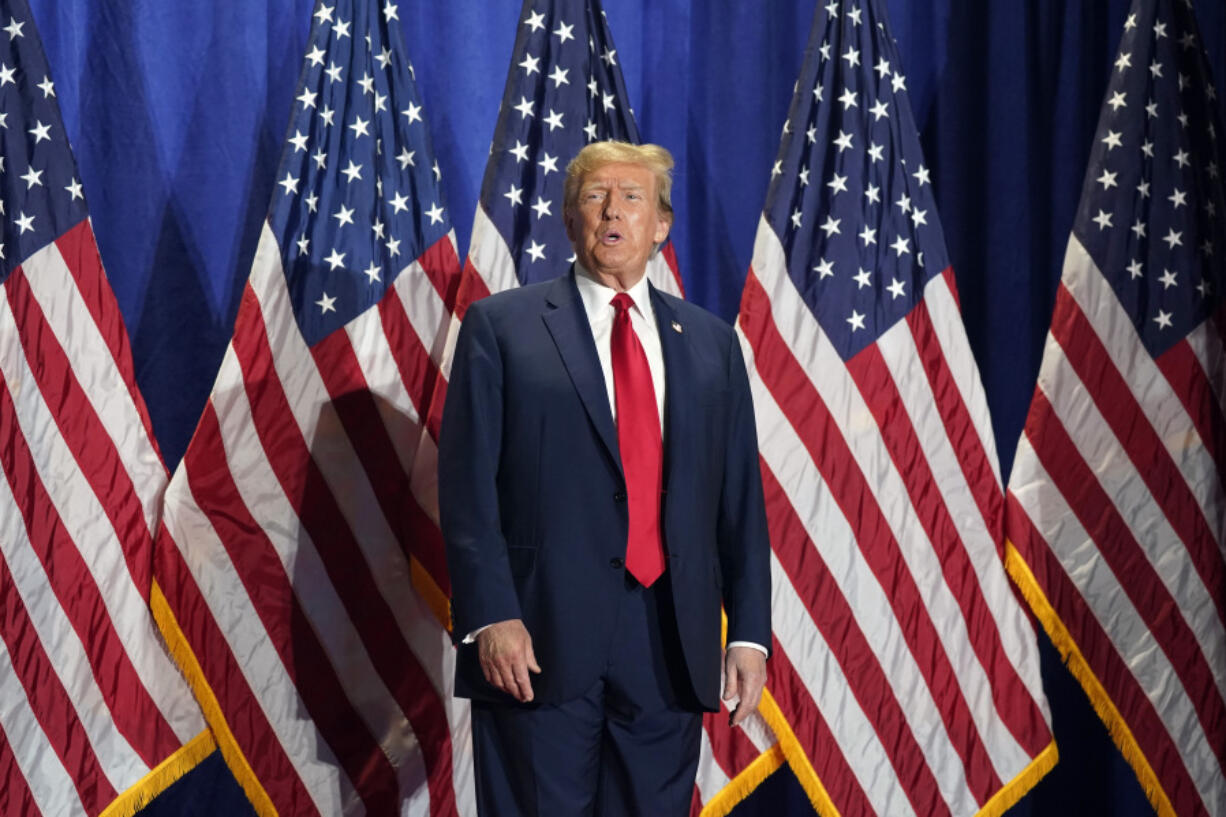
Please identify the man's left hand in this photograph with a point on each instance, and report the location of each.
(744, 677)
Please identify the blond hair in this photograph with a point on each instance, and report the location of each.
(598, 154)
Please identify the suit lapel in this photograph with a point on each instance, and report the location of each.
(567, 322)
(675, 348)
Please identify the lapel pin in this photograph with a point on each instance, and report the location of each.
(677, 327)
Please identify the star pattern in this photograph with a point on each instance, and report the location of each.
(572, 95)
(40, 195)
(861, 244)
(357, 199)
(1152, 201)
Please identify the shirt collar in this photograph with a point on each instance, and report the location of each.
(596, 296)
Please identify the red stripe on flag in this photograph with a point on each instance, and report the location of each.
(15, 795)
(1109, 668)
(134, 712)
(1118, 405)
(289, 628)
(959, 427)
(354, 402)
(823, 439)
(80, 254)
(1191, 385)
(472, 288)
(833, 617)
(1009, 694)
(48, 698)
(242, 711)
(696, 802)
(418, 372)
(303, 482)
(442, 267)
(730, 747)
(82, 430)
(819, 743)
(1123, 554)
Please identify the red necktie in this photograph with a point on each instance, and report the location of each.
(642, 451)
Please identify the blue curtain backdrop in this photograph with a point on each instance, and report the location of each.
(177, 110)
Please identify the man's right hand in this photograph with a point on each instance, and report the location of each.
(505, 652)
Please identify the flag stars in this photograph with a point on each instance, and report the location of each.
(563, 32)
(1151, 109)
(803, 176)
(1112, 140)
(843, 140)
(797, 216)
(384, 58)
(1147, 148)
(25, 223)
(400, 203)
(524, 107)
(607, 101)
(873, 194)
(326, 304)
(875, 152)
(896, 288)
(541, 207)
(868, 235)
(33, 177)
(327, 115)
(299, 141)
(1117, 101)
(554, 120)
(316, 55)
(324, 15)
(1164, 319)
(831, 227)
(334, 72)
(1143, 189)
(854, 16)
(548, 164)
(6, 75)
(304, 245)
(879, 110)
(856, 320)
(531, 64)
(343, 216)
(898, 82)
(1155, 69)
(811, 134)
(353, 172)
(863, 278)
(921, 176)
(14, 29)
(1103, 220)
(405, 158)
(1159, 30)
(435, 214)
(335, 260)
(74, 191)
(413, 113)
(852, 56)
(321, 158)
(837, 184)
(1181, 158)
(882, 68)
(359, 127)
(1204, 288)
(1139, 229)
(290, 184)
(919, 218)
(824, 269)
(609, 57)
(372, 272)
(1134, 269)
(307, 98)
(1124, 60)
(558, 77)
(341, 29)
(536, 251)
(535, 21)
(590, 130)
(900, 246)
(1167, 278)
(1178, 199)
(312, 202)
(1107, 179)
(848, 99)
(47, 87)
(1173, 239)
(904, 203)
(40, 132)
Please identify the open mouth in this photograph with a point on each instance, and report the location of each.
(611, 237)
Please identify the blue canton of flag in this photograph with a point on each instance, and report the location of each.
(850, 197)
(358, 201)
(564, 90)
(40, 191)
(1152, 206)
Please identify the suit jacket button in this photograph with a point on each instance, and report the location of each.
(620, 496)
(617, 562)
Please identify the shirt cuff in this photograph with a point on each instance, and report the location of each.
(471, 637)
(732, 644)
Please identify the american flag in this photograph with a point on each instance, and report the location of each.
(90, 703)
(905, 674)
(301, 559)
(1116, 504)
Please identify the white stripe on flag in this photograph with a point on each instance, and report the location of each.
(489, 254)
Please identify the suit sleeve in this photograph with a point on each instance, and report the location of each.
(470, 446)
(744, 544)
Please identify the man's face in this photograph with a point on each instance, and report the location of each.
(615, 223)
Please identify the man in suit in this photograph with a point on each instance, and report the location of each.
(600, 498)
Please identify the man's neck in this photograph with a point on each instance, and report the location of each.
(615, 282)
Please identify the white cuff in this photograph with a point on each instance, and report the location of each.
(731, 644)
(471, 637)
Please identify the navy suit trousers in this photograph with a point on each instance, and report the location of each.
(627, 746)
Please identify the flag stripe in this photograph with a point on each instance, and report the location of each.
(439, 262)
(81, 430)
(842, 782)
(1095, 644)
(79, 251)
(15, 795)
(245, 715)
(52, 705)
(37, 767)
(288, 626)
(977, 465)
(1192, 386)
(355, 407)
(1056, 450)
(809, 574)
(315, 499)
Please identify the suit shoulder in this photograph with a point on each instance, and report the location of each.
(511, 301)
(696, 316)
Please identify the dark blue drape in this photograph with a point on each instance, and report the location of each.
(177, 112)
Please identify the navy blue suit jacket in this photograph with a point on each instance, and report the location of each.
(532, 494)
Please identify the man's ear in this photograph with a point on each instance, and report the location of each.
(663, 225)
(568, 219)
